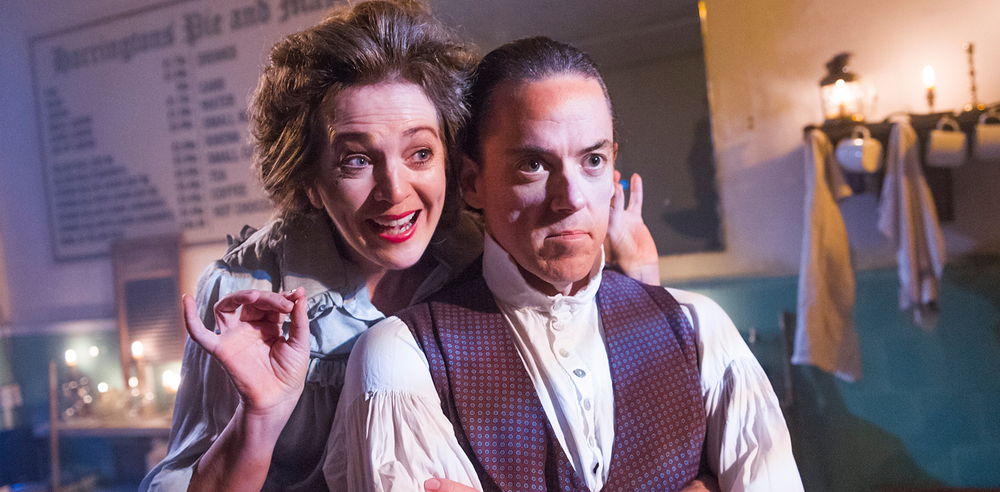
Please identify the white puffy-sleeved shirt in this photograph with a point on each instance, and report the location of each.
(390, 433)
(306, 253)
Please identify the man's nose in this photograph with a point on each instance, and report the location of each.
(391, 181)
(568, 193)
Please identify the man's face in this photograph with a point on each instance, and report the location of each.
(545, 180)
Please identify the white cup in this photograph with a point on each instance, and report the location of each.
(946, 147)
(860, 153)
(988, 136)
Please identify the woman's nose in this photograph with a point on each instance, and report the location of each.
(391, 184)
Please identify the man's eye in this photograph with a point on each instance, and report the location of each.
(532, 166)
(595, 160)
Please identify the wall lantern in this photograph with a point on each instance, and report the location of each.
(844, 95)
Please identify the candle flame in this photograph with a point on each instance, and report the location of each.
(171, 381)
(929, 77)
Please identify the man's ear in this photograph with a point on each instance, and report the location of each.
(614, 152)
(468, 178)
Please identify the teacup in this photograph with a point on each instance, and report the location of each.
(946, 145)
(860, 153)
(988, 136)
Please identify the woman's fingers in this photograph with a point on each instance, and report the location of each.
(254, 309)
(232, 302)
(292, 295)
(298, 333)
(260, 300)
(635, 195)
(270, 307)
(195, 328)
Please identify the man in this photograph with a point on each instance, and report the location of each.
(538, 370)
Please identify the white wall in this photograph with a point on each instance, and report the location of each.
(37, 286)
(4, 295)
(764, 62)
(43, 294)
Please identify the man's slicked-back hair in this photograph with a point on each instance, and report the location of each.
(368, 43)
(524, 60)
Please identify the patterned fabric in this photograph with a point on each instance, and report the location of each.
(499, 421)
(659, 414)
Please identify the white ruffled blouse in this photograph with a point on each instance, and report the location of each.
(308, 254)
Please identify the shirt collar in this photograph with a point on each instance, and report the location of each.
(509, 287)
(314, 257)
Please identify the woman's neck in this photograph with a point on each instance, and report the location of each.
(392, 290)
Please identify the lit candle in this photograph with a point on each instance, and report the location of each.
(929, 84)
(71, 358)
(137, 350)
(171, 381)
(840, 96)
(142, 384)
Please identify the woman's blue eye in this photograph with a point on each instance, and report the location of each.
(356, 161)
(422, 155)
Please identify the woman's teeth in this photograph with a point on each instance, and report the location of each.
(397, 226)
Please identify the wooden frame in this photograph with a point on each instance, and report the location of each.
(149, 260)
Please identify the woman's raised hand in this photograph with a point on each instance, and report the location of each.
(629, 243)
(269, 371)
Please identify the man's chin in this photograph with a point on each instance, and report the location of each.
(563, 273)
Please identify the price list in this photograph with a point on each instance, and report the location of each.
(142, 120)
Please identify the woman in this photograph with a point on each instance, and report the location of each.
(354, 120)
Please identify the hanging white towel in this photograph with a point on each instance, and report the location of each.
(824, 332)
(907, 215)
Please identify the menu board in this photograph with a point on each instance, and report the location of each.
(143, 120)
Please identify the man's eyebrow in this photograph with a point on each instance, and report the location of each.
(598, 146)
(527, 150)
(535, 150)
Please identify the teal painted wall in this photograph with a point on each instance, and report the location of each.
(6, 373)
(112, 461)
(30, 360)
(927, 409)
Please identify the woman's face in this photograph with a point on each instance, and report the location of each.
(382, 172)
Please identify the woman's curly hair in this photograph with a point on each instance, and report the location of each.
(368, 43)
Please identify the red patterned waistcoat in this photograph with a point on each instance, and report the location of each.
(489, 397)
